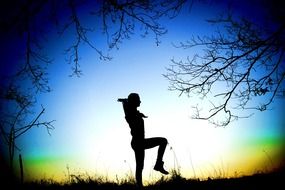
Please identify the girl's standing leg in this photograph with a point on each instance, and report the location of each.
(139, 155)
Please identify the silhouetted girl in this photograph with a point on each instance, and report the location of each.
(139, 143)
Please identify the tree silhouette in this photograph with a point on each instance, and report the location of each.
(241, 68)
(31, 20)
(17, 118)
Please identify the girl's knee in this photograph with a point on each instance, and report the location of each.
(164, 141)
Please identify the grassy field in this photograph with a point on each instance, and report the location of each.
(270, 181)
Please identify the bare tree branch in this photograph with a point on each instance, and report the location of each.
(119, 20)
(129, 13)
(34, 123)
(81, 36)
(242, 65)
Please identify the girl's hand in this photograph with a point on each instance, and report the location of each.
(122, 100)
(143, 115)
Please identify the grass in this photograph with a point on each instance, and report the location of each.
(273, 180)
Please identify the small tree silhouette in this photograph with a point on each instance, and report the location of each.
(16, 109)
(242, 68)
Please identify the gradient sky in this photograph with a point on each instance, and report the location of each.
(91, 134)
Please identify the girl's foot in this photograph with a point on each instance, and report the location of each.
(159, 167)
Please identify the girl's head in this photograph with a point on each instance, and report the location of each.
(134, 99)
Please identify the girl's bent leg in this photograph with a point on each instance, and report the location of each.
(162, 143)
(157, 141)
